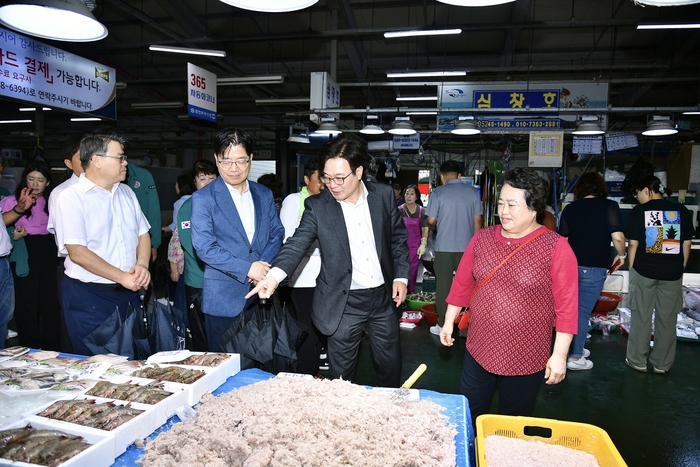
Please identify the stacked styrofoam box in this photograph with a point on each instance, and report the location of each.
(124, 435)
(100, 454)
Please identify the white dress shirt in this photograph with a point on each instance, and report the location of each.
(245, 207)
(108, 223)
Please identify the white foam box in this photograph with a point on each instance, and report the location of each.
(100, 454)
(214, 376)
(124, 435)
(164, 409)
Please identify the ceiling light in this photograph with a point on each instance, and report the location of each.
(694, 112)
(185, 50)
(669, 26)
(291, 100)
(328, 128)
(423, 112)
(271, 6)
(588, 125)
(424, 74)
(423, 32)
(475, 2)
(32, 109)
(248, 80)
(298, 134)
(402, 126)
(156, 105)
(665, 2)
(372, 125)
(61, 20)
(416, 98)
(660, 125)
(86, 119)
(465, 127)
(15, 121)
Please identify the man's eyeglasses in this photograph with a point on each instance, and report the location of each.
(121, 158)
(337, 180)
(240, 163)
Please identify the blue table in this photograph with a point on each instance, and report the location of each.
(456, 409)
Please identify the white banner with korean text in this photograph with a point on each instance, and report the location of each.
(43, 74)
(201, 93)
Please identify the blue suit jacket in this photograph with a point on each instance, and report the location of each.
(221, 243)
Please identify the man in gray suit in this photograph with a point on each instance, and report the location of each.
(364, 262)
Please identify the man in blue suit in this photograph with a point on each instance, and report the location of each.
(236, 233)
(364, 262)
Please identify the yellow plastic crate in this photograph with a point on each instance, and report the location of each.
(580, 436)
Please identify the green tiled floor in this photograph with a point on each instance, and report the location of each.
(652, 419)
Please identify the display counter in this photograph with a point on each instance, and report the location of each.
(456, 409)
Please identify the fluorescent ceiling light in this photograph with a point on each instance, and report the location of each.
(156, 105)
(291, 100)
(15, 121)
(61, 20)
(695, 112)
(417, 98)
(186, 50)
(247, 80)
(476, 2)
(422, 113)
(669, 26)
(424, 74)
(86, 119)
(32, 109)
(664, 2)
(660, 125)
(271, 6)
(424, 32)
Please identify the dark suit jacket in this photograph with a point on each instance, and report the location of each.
(323, 220)
(221, 243)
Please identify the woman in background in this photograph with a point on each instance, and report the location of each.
(589, 223)
(660, 235)
(37, 311)
(201, 174)
(417, 227)
(176, 256)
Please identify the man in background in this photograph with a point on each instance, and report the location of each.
(456, 209)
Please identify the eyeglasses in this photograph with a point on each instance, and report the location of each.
(240, 163)
(121, 158)
(337, 180)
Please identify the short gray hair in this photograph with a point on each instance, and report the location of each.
(97, 143)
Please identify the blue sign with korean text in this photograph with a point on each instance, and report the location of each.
(516, 99)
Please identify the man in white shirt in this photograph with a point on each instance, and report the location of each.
(100, 227)
(236, 233)
(364, 262)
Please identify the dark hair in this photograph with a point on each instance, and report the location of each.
(413, 187)
(202, 167)
(525, 178)
(232, 137)
(70, 146)
(45, 170)
(591, 183)
(184, 185)
(310, 166)
(449, 166)
(352, 150)
(273, 182)
(654, 185)
(97, 143)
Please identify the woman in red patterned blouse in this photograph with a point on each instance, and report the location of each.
(514, 311)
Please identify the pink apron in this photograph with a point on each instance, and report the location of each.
(414, 234)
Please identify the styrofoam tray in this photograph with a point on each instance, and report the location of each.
(124, 435)
(100, 454)
(164, 409)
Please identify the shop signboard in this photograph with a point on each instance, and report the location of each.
(42, 74)
(201, 93)
(407, 141)
(520, 107)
